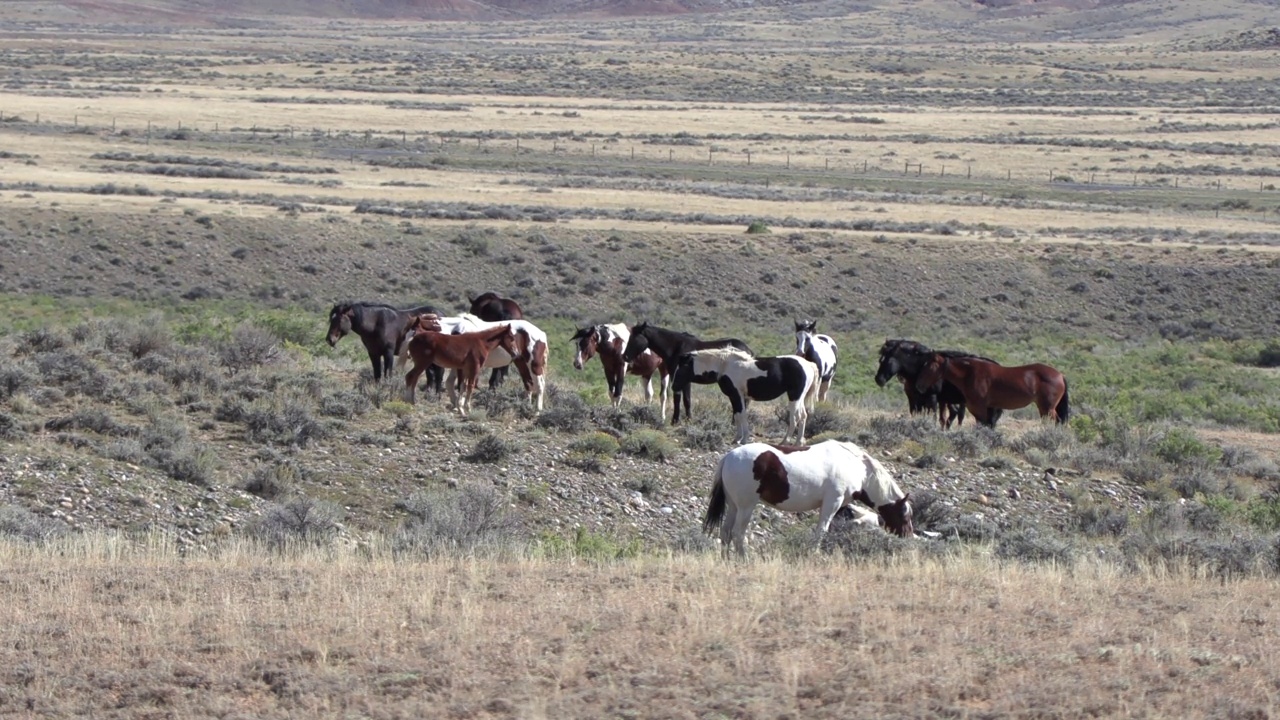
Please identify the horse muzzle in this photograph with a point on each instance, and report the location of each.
(333, 341)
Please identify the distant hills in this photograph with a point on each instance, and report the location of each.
(1223, 24)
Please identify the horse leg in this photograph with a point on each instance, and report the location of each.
(831, 502)
(741, 520)
(648, 390)
(452, 381)
(726, 526)
(799, 421)
(411, 379)
(497, 377)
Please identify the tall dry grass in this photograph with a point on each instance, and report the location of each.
(110, 628)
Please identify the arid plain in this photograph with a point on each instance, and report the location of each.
(208, 512)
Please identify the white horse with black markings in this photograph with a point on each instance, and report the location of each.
(818, 349)
(743, 377)
(530, 360)
(826, 476)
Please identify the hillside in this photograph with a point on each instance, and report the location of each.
(932, 21)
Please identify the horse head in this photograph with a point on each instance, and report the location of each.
(934, 366)
(638, 343)
(585, 339)
(339, 323)
(507, 341)
(898, 518)
(809, 326)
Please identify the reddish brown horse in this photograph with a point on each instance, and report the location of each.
(491, 307)
(989, 386)
(465, 353)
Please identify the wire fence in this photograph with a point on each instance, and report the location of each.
(682, 156)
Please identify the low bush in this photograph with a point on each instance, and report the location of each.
(22, 524)
(490, 449)
(299, 521)
(649, 444)
(470, 519)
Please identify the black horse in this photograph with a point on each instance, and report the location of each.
(905, 359)
(381, 328)
(491, 307)
(670, 345)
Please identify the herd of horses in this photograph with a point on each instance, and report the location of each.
(493, 333)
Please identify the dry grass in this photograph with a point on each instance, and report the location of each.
(103, 628)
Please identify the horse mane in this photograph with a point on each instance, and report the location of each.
(725, 353)
(886, 487)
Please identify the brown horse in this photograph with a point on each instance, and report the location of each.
(491, 307)
(989, 386)
(465, 353)
(608, 341)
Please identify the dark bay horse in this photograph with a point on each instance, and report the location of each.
(382, 329)
(465, 353)
(491, 307)
(990, 386)
(670, 345)
(904, 359)
(608, 341)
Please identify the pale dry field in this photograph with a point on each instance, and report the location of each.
(101, 628)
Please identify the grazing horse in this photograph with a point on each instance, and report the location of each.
(743, 377)
(670, 345)
(491, 307)
(381, 328)
(530, 357)
(608, 342)
(904, 359)
(465, 353)
(818, 349)
(826, 476)
(989, 386)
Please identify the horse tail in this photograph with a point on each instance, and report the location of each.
(1064, 405)
(715, 509)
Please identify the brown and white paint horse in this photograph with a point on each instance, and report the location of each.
(465, 354)
(825, 476)
(608, 341)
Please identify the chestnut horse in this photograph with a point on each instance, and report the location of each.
(608, 341)
(491, 307)
(989, 386)
(465, 353)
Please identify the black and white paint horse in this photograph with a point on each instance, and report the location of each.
(818, 349)
(905, 360)
(670, 345)
(743, 377)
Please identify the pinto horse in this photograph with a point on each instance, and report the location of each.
(904, 359)
(743, 377)
(818, 349)
(491, 307)
(608, 341)
(826, 477)
(465, 353)
(670, 345)
(381, 328)
(989, 386)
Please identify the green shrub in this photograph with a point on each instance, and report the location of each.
(490, 449)
(758, 227)
(1178, 446)
(597, 443)
(649, 444)
(588, 546)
